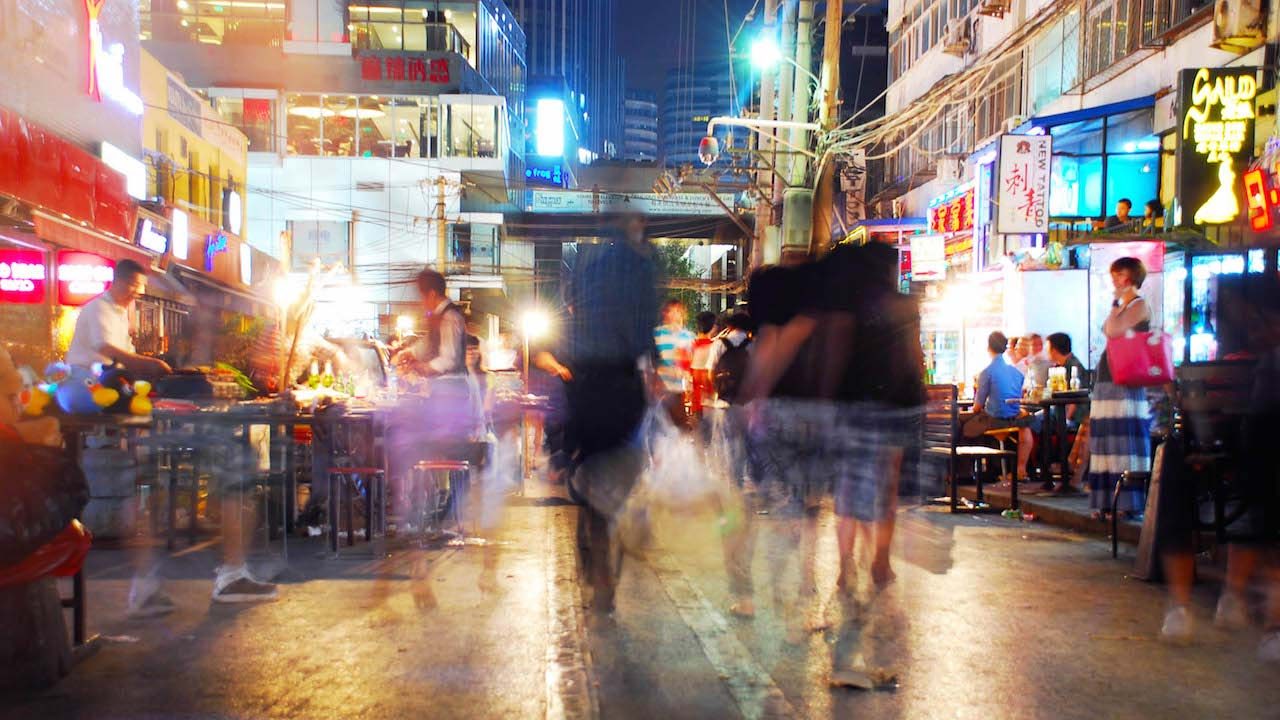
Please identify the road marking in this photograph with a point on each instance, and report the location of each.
(751, 687)
(571, 694)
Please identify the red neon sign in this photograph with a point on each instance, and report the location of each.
(22, 276)
(954, 214)
(1261, 200)
(82, 276)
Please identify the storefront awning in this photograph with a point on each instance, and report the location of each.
(224, 297)
(1099, 111)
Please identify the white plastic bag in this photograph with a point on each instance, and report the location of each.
(677, 478)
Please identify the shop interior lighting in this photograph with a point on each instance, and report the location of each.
(363, 109)
(311, 108)
(534, 324)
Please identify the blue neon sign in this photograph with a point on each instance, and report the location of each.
(545, 174)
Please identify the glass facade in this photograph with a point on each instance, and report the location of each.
(1097, 162)
(214, 22)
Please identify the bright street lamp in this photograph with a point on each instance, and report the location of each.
(765, 53)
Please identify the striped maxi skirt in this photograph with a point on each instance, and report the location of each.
(1119, 441)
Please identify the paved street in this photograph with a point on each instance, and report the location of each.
(988, 618)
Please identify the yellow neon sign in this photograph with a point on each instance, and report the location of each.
(1218, 122)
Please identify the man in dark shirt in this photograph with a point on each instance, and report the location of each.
(1121, 218)
(614, 303)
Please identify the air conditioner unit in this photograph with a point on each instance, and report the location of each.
(1014, 122)
(994, 8)
(1238, 25)
(950, 168)
(958, 38)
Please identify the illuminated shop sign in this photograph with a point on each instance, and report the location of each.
(231, 211)
(214, 246)
(1216, 107)
(434, 71)
(82, 276)
(953, 211)
(22, 276)
(1263, 199)
(179, 229)
(133, 169)
(246, 264)
(545, 174)
(106, 65)
(1023, 176)
(549, 128)
(149, 238)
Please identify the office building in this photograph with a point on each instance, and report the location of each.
(640, 122)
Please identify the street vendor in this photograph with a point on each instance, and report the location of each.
(102, 330)
(441, 350)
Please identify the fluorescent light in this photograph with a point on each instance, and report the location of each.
(178, 234)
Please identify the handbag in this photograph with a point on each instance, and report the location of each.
(1141, 359)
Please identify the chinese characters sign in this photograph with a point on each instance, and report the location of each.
(953, 212)
(22, 276)
(1262, 199)
(398, 68)
(1022, 184)
(1216, 107)
(928, 258)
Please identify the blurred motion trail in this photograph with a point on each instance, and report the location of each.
(987, 618)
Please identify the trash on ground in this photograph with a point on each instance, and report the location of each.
(865, 679)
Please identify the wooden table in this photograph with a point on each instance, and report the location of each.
(1054, 425)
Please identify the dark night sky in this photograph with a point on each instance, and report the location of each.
(648, 33)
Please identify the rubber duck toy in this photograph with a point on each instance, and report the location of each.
(141, 404)
(35, 398)
(82, 394)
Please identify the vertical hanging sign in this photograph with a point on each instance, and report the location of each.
(1022, 184)
(1215, 106)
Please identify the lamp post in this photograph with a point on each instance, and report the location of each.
(534, 324)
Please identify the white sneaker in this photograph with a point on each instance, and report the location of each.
(147, 599)
(1177, 624)
(1232, 613)
(1269, 648)
(236, 585)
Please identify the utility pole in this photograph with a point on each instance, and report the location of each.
(784, 96)
(824, 189)
(442, 241)
(797, 201)
(764, 178)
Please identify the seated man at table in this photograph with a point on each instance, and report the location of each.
(996, 402)
(1077, 415)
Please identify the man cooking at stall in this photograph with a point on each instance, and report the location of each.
(102, 330)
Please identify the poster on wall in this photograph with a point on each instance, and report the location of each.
(928, 258)
(1215, 142)
(1022, 184)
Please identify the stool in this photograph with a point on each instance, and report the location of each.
(375, 492)
(426, 469)
(1001, 436)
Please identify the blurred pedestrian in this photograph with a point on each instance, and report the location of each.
(675, 360)
(700, 390)
(613, 294)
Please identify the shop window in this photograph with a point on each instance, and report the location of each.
(1078, 138)
(364, 126)
(214, 22)
(1136, 177)
(472, 130)
(1131, 132)
(255, 117)
(1076, 187)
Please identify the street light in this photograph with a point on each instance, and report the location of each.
(765, 53)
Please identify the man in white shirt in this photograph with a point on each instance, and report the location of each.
(102, 330)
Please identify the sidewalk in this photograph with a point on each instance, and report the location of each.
(1070, 512)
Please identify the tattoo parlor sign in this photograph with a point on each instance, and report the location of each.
(1022, 184)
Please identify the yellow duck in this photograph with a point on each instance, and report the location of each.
(34, 400)
(141, 404)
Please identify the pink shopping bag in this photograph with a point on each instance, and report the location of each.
(1141, 359)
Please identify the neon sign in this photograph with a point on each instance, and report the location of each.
(214, 246)
(953, 211)
(106, 65)
(1217, 130)
(1261, 199)
(549, 174)
(82, 276)
(22, 276)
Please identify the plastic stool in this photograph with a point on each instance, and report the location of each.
(375, 492)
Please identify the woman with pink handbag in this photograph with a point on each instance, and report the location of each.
(1119, 419)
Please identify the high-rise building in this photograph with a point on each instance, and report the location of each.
(570, 45)
(640, 121)
(692, 96)
(382, 137)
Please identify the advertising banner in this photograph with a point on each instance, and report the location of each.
(1215, 142)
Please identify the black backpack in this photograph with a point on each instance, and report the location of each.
(730, 369)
